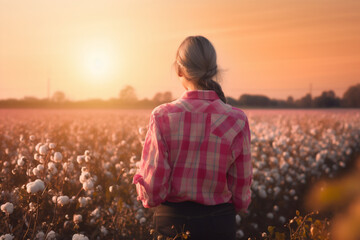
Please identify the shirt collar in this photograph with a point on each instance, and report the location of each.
(200, 94)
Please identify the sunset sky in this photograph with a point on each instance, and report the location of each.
(92, 48)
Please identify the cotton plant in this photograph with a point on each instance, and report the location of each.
(7, 208)
(36, 186)
(87, 169)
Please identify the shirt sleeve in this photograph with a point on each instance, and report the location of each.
(152, 176)
(240, 172)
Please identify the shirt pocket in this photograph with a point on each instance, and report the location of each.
(225, 127)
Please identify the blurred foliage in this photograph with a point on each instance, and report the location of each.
(339, 198)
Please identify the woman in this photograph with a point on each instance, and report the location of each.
(196, 162)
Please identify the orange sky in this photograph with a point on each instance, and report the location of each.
(92, 49)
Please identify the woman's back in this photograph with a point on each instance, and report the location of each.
(196, 163)
(202, 138)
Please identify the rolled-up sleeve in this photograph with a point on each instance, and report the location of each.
(152, 176)
(240, 172)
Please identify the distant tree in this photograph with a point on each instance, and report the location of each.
(167, 96)
(326, 99)
(254, 100)
(351, 97)
(58, 97)
(232, 101)
(30, 98)
(162, 97)
(128, 94)
(304, 102)
(290, 101)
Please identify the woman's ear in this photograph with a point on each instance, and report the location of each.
(178, 71)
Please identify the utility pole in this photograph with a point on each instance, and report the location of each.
(48, 88)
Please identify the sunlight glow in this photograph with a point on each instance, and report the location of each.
(98, 64)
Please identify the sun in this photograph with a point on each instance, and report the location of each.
(98, 63)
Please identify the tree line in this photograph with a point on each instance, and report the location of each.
(327, 99)
(128, 99)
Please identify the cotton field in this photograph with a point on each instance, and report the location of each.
(66, 174)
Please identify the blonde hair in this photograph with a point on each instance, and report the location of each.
(196, 60)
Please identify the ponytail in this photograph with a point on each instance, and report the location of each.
(196, 59)
(210, 84)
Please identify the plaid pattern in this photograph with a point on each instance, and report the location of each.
(196, 149)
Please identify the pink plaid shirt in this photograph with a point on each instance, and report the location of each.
(197, 148)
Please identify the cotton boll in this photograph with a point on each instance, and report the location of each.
(80, 159)
(270, 215)
(111, 211)
(104, 231)
(84, 177)
(7, 237)
(41, 159)
(276, 208)
(40, 235)
(68, 166)
(7, 208)
(342, 164)
(99, 188)
(43, 149)
(289, 179)
(32, 207)
(117, 167)
(108, 174)
(274, 160)
(132, 159)
(37, 147)
(32, 138)
(87, 153)
(142, 220)
(52, 168)
(348, 151)
(239, 234)
(262, 193)
(282, 219)
(238, 219)
(36, 172)
(51, 235)
(87, 159)
(58, 157)
(88, 185)
(54, 199)
(292, 192)
(52, 145)
(20, 162)
(36, 186)
(95, 213)
(82, 201)
(79, 237)
(63, 200)
(37, 156)
(142, 130)
(106, 165)
(40, 167)
(77, 218)
(318, 157)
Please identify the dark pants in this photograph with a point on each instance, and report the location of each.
(203, 222)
